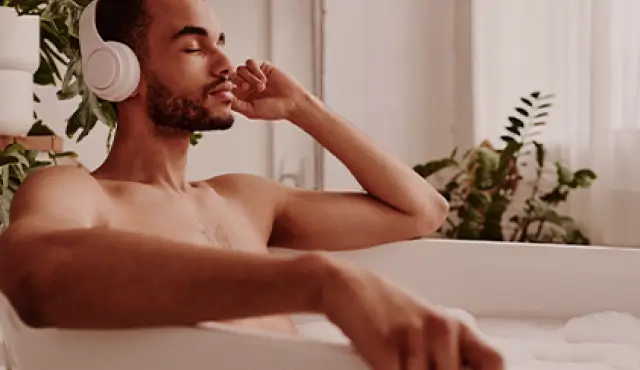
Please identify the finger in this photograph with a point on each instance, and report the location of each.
(444, 347)
(417, 359)
(414, 353)
(255, 69)
(477, 354)
(267, 67)
(238, 90)
(250, 80)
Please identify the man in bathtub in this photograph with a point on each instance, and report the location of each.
(135, 244)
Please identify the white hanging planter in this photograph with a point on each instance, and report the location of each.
(19, 60)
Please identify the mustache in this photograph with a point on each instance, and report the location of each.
(214, 84)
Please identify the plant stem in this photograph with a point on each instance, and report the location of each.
(514, 236)
(524, 226)
(524, 231)
(539, 232)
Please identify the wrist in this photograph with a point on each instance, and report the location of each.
(323, 277)
(304, 108)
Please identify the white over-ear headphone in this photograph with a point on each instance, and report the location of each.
(110, 69)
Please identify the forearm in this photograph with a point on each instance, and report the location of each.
(106, 279)
(380, 173)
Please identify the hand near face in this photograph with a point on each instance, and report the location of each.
(265, 92)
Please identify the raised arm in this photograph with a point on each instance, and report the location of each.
(396, 203)
(60, 267)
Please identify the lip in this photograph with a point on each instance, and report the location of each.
(224, 91)
(226, 87)
(225, 95)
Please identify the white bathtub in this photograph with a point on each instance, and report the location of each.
(503, 280)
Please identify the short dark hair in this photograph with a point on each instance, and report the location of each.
(125, 21)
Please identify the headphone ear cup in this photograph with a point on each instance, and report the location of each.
(128, 76)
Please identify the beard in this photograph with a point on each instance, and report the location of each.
(171, 112)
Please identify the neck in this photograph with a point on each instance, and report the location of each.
(142, 153)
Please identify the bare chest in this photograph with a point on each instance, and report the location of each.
(204, 219)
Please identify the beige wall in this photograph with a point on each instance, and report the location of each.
(400, 70)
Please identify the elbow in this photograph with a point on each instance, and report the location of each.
(431, 216)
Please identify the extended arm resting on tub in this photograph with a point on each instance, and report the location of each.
(141, 281)
(60, 268)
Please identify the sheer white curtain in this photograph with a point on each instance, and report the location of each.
(587, 53)
(620, 116)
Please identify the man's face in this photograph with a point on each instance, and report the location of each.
(185, 68)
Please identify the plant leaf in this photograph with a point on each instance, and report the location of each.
(454, 152)
(514, 130)
(89, 124)
(565, 176)
(44, 75)
(195, 138)
(522, 112)
(584, 178)
(516, 122)
(507, 139)
(486, 163)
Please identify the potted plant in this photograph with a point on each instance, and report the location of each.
(49, 44)
(511, 193)
(19, 60)
(46, 59)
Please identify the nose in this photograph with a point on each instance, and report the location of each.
(221, 65)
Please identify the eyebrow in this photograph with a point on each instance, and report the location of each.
(197, 31)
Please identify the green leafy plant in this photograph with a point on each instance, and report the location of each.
(488, 191)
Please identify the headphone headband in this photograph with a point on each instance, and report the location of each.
(90, 39)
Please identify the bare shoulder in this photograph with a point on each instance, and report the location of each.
(55, 175)
(55, 190)
(57, 180)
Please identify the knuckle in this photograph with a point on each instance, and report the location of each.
(391, 339)
(443, 325)
(414, 324)
(404, 331)
(407, 336)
